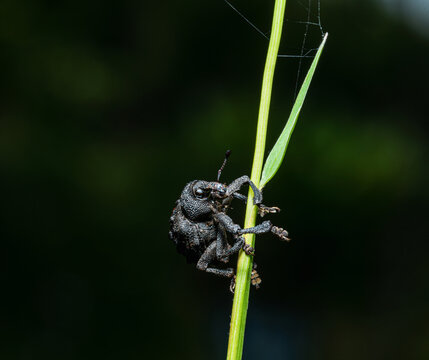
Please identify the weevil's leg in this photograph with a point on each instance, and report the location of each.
(222, 251)
(248, 249)
(255, 279)
(238, 183)
(280, 232)
(221, 246)
(232, 284)
(265, 227)
(262, 209)
(208, 256)
(240, 243)
(262, 228)
(235, 229)
(227, 223)
(240, 197)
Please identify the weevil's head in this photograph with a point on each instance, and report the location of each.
(198, 198)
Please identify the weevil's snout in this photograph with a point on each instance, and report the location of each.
(203, 190)
(218, 190)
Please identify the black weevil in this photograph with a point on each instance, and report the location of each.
(199, 224)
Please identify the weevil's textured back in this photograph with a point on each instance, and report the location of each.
(191, 238)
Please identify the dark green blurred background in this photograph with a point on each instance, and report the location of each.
(109, 108)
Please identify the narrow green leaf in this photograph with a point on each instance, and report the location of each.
(277, 154)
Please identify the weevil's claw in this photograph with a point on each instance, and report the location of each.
(248, 249)
(255, 279)
(281, 233)
(264, 210)
(232, 284)
(224, 259)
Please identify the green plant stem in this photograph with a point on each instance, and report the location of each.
(244, 265)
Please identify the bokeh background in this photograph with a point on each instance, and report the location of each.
(109, 108)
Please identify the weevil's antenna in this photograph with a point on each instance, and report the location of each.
(228, 152)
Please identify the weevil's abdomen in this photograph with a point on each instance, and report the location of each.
(191, 238)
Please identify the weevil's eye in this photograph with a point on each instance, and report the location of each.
(200, 193)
